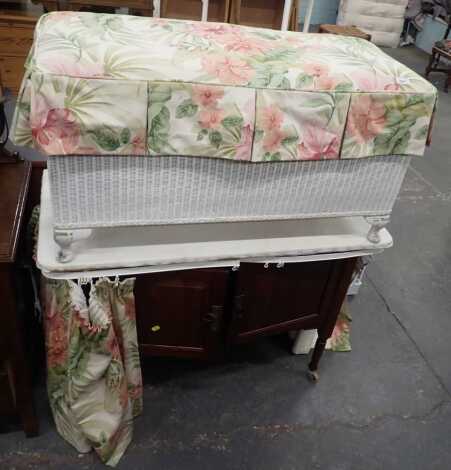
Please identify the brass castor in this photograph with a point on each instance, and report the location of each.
(313, 375)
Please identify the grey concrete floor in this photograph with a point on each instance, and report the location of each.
(386, 405)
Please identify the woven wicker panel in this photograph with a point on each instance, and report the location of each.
(111, 191)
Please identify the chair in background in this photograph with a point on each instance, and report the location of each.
(440, 60)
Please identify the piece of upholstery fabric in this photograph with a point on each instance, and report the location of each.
(122, 85)
(93, 369)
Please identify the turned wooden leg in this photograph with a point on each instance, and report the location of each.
(337, 288)
(64, 239)
(430, 64)
(377, 223)
(320, 345)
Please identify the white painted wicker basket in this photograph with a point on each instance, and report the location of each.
(110, 191)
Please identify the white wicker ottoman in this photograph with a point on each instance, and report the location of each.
(109, 191)
(155, 121)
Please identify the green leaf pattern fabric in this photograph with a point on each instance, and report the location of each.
(124, 85)
(93, 371)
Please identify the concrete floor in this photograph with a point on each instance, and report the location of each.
(386, 405)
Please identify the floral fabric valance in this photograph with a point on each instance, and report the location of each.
(123, 85)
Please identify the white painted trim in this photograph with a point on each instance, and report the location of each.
(156, 8)
(286, 14)
(204, 10)
(308, 16)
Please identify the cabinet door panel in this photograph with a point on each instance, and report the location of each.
(180, 313)
(270, 300)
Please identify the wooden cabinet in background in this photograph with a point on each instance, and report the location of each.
(16, 38)
(141, 7)
(218, 10)
(262, 13)
(15, 382)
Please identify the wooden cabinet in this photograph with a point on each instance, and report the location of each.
(182, 313)
(142, 7)
(218, 10)
(15, 386)
(262, 13)
(199, 313)
(16, 37)
(274, 299)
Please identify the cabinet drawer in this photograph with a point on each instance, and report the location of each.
(11, 72)
(15, 41)
(275, 299)
(181, 313)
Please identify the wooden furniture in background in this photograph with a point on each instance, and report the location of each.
(263, 13)
(141, 7)
(16, 37)
(14, 180)
(207, 10)
(441, 50)
(344, 31)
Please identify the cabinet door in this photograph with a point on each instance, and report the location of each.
(181, 313)
(272, 300)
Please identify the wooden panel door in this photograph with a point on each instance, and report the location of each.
(218, 10)
(272, 300)
(262, 13)
(181, 313)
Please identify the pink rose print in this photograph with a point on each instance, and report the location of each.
(341, 328)
(271, 118)
(207, 96)
(229, 70)
(210, 31)
(366, 118)
(318, 144)
(272, 140)
(316, 69)
(371, 82)
(56, 131)
(71, 66)
(211, 118)
(244, 148)
(326, 82)
(56, 340)
(238, 42)
(130, 309)
(139, 143)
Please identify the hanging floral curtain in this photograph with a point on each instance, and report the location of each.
(93, 370)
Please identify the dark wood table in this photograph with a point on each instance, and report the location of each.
(15, 383)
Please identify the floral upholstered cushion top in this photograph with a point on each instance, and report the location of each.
(112, 84)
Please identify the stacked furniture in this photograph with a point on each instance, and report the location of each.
(203, 289)
(256, 125)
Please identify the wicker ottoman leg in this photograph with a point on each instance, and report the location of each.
(377, 223)
(64, 239)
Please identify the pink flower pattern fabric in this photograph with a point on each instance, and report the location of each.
(91, 87)
(94, 378)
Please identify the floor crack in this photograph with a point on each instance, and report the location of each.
(407, 333)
